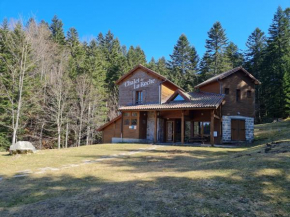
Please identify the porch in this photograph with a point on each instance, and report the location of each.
(187, 126)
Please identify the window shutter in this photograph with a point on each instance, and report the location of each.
(134, 97)
(144, 96)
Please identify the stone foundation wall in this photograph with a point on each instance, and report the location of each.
(249, 125)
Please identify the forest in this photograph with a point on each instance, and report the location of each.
(56, 90)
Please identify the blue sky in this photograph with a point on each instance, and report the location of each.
(154, 25)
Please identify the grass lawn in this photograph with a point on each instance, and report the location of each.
(166, 181)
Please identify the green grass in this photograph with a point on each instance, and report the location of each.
(167, 181)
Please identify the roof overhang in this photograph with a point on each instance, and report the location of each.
(109, 123)
(226, 74)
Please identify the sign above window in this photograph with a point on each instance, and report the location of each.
(139, 82)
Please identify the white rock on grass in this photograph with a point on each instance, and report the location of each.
(22, 147)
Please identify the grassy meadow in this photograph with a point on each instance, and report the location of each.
(149, 180)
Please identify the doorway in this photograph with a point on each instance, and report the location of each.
(238, 130)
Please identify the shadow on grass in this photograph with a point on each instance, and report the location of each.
(190, 183)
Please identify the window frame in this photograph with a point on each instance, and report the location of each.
(227, 91)
(238, 95)
(249, 94)
(139, 94)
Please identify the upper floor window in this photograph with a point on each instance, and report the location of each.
(139, 97)
(249, 94)
(238, 95)
(227, 91)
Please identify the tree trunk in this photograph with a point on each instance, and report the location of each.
(66, 135)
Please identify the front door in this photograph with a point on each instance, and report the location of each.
(238, 130)
(169, 131)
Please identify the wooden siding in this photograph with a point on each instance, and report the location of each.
(113, 130)
(246, 106)
(211, 87)
(165, 93)
(151, 91)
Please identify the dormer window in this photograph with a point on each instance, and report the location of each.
(178, 98)
(139, 97)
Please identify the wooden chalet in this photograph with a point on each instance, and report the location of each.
(154, 109)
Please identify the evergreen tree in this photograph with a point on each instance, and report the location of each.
(152, 64)
(161, 67)
(183, 64)
(216, 48)
(135, 56)
(234, 56)
(276, 64)
(254, 55)
(77, 52)
(57, 31)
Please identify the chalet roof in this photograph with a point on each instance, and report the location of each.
(226, 74)
(153, 73)
(109, 123)
(197, 100)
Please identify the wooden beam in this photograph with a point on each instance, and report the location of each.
(212, 128)
(202, 129)
(155, 128)
(122, 122)
(182, 127)
(217, 117)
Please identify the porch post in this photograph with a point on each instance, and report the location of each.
(182, 127)
(212, 127)
(202, 129)
(155, 128)
(122, 122)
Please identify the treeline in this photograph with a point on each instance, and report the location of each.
(56, 90)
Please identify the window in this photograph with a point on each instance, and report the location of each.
(134, 114)
(227, 91)
(134, 122)
(249, 94)
(127, 114)
(178, 98)
(126, 121)
(139, 97)
(238, 95)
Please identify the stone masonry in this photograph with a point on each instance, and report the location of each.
(226, 131)
(150, 126)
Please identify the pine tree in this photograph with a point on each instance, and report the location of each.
(135, 56)
(152, 64)
(254, 55)
(57, 31)
(77, 52)
(276, 64)
(216, 47)
(234, 56)
(161, 67)
(183, 64)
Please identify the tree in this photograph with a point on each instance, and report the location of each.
(135, 56)
(57, 31)
(234, 56)
(183, 64)
(152, 64)
(16, 79)
(58, 92)
(77, 53)
(276, 64)
(254, 56)
(216, 46)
